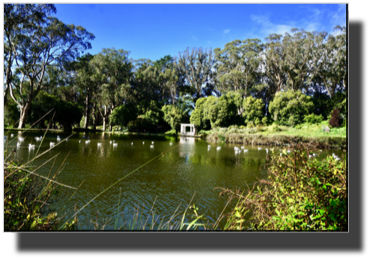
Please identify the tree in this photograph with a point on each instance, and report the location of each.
(112, 75)
(290, 107)
(274, 63)
(196, 66)
(332, 69)
(239, 66)
(197, 116)
(123, 114)
(38, 44)
(17, 18)
(83, 72)
(66, 113)
(254, 109)
(173, 116)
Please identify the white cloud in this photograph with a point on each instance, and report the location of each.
(266, 27)
(227, 30)
(339, 17)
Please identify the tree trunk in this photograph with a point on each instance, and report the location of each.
(110, 125)
(94, 117)
(104, 123)
(23, 112)
(86, 113)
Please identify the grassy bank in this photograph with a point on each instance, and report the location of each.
(274, 135)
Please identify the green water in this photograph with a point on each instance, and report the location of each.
(169, 181)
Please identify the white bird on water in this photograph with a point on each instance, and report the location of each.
(143, 142)
(266, 150)
(152, 143)
(21, 139)
(170, 143)
(151, 146)
(99, 144)
(115, 144)
(110, 142)
(31, 146)
(245, 150)
(259, 148)
(18, 144)
(218, 148)
(242, 147)
(79, 141)
(132, 143)
(11, 135)
(52, 144)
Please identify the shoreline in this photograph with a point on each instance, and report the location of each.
(277, 140)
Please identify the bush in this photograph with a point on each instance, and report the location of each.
(170, 132)
(257, 121)
(335, 120)
(265, 121)
(299, 194)
(313, 119)
(292, 121)
(289, 108)
(250, 125)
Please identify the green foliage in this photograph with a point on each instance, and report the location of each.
(313, 119)
(11, 113)
(173, 116)
(123, 114)
(24, 201)
(170, 132)
(289, 108)
(253, 109)
(66, 113)
(299, 194)
(265, 121)
(257, 121)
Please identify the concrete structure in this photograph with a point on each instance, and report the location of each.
(192, 131)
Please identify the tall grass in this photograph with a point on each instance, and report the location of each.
(27, 193)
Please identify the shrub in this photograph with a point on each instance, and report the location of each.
(250, 125)
(313, 119)
(290, 104)
(292, 121)
(265, 121)
(257, 121)
(335, 120)
(253, 109)
(299, 194)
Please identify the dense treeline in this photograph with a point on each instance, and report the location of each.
(287, 79)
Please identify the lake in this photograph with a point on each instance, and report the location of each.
(169, 182)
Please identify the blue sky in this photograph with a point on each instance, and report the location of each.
(155, 30)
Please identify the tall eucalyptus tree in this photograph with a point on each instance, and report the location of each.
(239, 66)
(113, 76)
(18, 19)
(197, 67)
(38, 44)
(275, 63)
